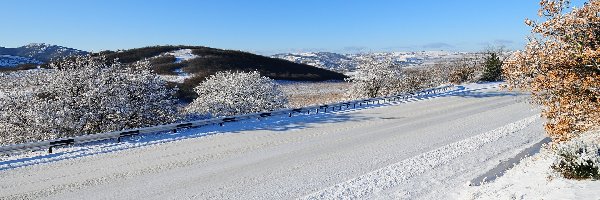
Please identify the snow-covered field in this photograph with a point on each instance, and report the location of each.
(302, 94)
(425, 148)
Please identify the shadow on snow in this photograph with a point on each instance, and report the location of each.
(275, 123)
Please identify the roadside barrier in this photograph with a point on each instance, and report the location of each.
(50, 144)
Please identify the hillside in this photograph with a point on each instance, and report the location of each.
(34, 53)
(211, 60)
(349, 62)
(201, 62)
(326, 60)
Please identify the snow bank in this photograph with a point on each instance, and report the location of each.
(396, 174)
(534, 179)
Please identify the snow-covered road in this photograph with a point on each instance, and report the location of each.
(422, 149)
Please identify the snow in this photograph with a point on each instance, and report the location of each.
(219, 95)
(84, 96)
(421, 148)
(534, 179)
(326, 60)
(11, 61)
(348, 62)
(398, 173)
(180, 56)
(179, 78)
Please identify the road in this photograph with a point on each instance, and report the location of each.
(420, 149)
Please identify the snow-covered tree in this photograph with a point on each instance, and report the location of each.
(375, 77)
(416, 79)
(84, 95)
(465, 70)
(233, 93)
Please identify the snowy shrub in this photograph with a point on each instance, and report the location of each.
(560, 67)
(383, 77)
(464, 70)
(84, 95)
(439, 74)
(420, 78)
(375, 77)
(462, 75)
(578, 159)
(233, 93)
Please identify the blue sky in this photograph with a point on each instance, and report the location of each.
(266, 27)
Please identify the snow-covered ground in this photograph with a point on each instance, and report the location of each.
(534, 179)
(423, 148)
(180, 56)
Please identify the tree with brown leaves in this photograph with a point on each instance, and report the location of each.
(560, 67)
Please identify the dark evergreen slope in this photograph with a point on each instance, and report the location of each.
(212, 60)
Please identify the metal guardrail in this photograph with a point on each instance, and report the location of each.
(49, 144)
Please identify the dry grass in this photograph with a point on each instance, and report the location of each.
(301, 94)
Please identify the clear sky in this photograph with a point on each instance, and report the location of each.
(269, 26)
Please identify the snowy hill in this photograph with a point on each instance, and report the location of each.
(34, 53)
(349, 62)
(325, 60)
(205, 61)
(187, 66)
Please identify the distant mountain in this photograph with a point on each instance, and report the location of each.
(34, 53)
(348, 62)
(326, 60)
